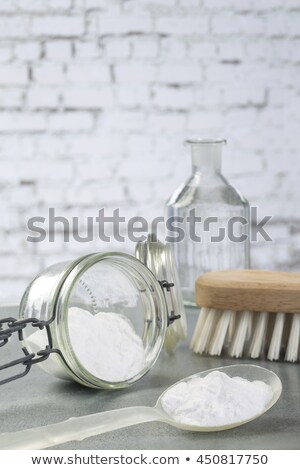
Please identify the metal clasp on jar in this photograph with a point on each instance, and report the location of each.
(171, 315)
(28, 359)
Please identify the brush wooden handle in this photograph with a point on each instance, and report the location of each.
(254, 290)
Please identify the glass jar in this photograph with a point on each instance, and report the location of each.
(121, 293)
(214, 217)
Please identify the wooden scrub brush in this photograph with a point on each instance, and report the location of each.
(249, 313)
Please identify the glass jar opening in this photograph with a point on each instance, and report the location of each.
(114, 317)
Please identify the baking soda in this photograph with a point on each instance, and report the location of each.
(105, 344)
(216, 400)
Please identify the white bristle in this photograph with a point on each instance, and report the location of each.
(259, 334)
(275, 344)
(200, 322)
(250, 327)
(200, 325)
(231, 328)
(218, 338)
(201, 345)
(293, 342)
(238, 342)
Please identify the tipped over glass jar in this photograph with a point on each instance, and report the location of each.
(102, 319)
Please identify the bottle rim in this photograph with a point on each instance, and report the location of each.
(206, 141)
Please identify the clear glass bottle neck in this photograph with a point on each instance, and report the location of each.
(206, 156)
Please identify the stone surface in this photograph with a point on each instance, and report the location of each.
(39, 399)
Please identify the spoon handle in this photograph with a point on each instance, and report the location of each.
(77, 428)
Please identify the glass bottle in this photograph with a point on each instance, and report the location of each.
(220, 240)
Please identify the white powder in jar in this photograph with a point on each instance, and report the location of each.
(216, 400)
(105, 344)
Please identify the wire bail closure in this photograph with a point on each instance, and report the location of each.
(28, 359)
(171, 316)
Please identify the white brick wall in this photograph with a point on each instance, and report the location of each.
(97, 96)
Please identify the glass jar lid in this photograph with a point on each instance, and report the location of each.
(158, 257)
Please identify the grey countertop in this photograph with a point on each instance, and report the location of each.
(40, 399)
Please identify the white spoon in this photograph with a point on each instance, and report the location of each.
(79, 428)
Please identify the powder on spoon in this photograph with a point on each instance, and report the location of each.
(216, 400)
(106, 344)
